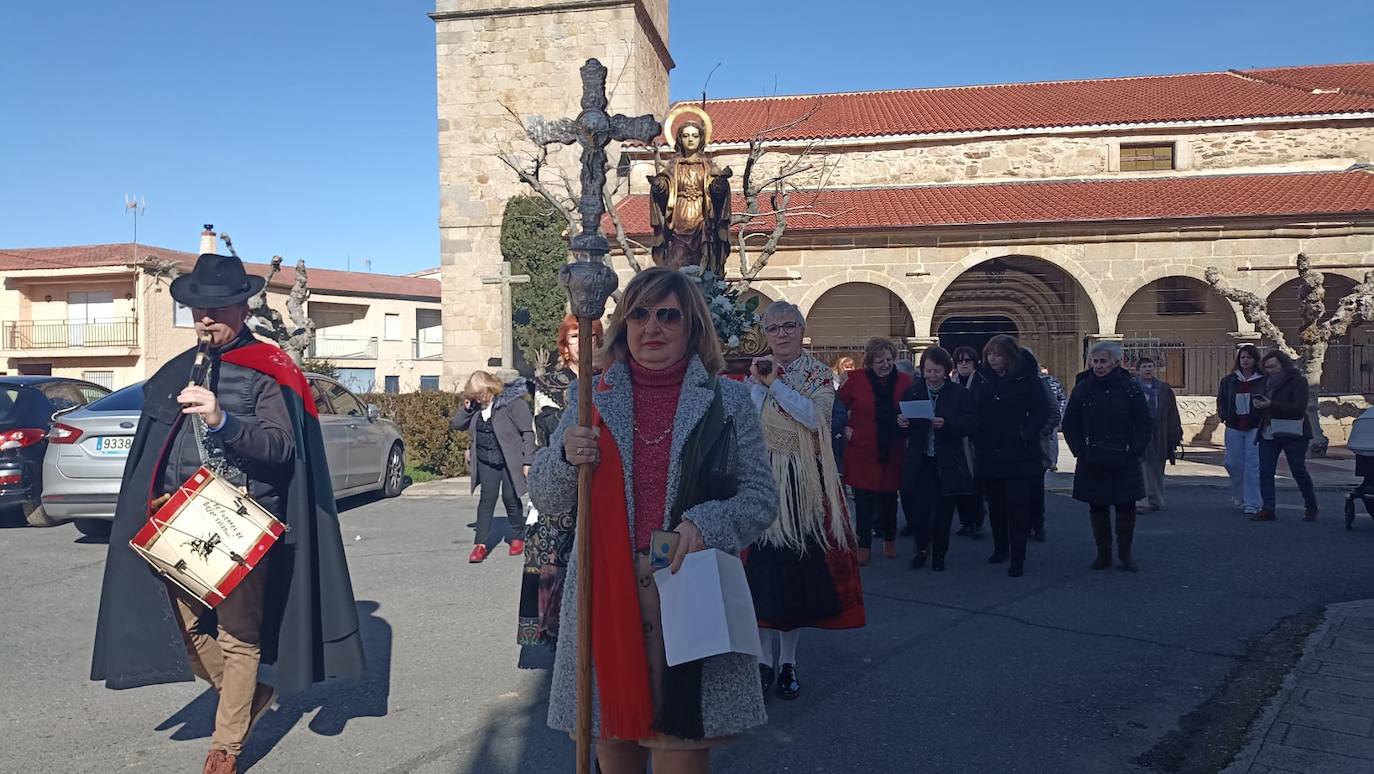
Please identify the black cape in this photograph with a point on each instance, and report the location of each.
(310, 622)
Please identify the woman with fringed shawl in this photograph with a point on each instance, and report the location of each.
(804, 571)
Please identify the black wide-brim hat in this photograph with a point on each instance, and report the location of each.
(217, 280)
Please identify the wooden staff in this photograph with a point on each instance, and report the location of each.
(585, 344)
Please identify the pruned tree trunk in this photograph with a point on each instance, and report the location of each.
(294, 341)
(1316, 333)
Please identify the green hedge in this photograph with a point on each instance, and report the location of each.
(424, 421)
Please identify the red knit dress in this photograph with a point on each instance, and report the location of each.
(655, 408)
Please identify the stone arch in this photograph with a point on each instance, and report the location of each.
(846, 315)
(1050, 307)
(1082, 276)
(1347, 368)
(1278, 279)
(1182, 324)
(825, 284)
(1158, 272)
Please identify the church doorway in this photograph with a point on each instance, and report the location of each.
(1030, 298)
(973, 331)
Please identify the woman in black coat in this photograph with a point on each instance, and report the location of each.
(1284, 399)
(1107, 426)
(936, 471)
(1012, 411)
(502, 428)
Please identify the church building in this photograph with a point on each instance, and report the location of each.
(1061, 212)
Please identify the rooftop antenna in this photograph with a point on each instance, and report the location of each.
(137, 205)
(367, 265)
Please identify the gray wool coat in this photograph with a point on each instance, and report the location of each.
(730, 696)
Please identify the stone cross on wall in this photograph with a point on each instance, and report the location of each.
(505, 280)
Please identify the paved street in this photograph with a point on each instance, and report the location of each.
(1064, 670)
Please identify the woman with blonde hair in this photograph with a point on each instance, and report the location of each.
(672, 448)
(876, 446)
(501, 429)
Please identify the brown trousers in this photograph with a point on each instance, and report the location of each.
(229, 660)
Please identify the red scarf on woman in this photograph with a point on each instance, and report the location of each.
(622, 667)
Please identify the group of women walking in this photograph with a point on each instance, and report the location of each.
(764, 469)
(981, 443)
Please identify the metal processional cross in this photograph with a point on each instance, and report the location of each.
(589, 282)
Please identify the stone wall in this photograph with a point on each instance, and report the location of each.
(1045, 156)
(1202, 427)
(499, 54)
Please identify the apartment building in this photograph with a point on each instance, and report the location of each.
(98, 312)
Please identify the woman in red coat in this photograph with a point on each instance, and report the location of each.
(874, 453)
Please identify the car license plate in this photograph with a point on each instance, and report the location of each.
(114, 446)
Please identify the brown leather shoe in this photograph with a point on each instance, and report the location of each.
(221, 762)
(864, 554)
(1264, 515)
(890, 549)
(1310, 515)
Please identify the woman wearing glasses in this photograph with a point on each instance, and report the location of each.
(876, 447)
(672, 448)
(803, 572)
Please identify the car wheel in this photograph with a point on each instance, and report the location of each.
(36, 516)
(96, 528)
(395, 475)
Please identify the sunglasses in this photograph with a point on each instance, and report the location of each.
(666, 315)
(964, 360)
(787, 327)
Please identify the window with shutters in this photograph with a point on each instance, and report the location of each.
(1145, 158)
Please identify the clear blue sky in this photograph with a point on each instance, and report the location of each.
(308, 128)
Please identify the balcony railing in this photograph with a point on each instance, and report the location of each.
(426, 350)
(60, 334)
(343, 347)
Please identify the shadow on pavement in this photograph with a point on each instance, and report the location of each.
(337, 703)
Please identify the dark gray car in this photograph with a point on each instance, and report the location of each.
(88, 447)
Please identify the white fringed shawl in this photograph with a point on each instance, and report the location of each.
(803, 465)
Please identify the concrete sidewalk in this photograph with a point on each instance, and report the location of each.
(1322, 719)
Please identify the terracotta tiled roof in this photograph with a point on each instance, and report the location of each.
(1339, 194)
(327, 281)
(1278, 92)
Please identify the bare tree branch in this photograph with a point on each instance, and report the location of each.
(1254, 308)
(627, 245)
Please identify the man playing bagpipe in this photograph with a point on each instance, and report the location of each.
(248, 417)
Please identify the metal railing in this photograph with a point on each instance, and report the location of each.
(426, 350)
(343, 347)
(60, 334)
(1197, 369)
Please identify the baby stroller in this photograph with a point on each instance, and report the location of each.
(1362, 444)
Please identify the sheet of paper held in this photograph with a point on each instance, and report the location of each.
(707, 608)
(918, 409)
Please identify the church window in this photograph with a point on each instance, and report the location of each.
(1178, 296)
(1143, 158)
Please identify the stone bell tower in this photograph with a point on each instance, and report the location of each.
(523, 55)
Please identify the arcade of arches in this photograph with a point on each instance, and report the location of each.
(1179, 321)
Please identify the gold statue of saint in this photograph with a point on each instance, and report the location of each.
(689, 202)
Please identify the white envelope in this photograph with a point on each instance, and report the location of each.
(707, 608)
(918, 409)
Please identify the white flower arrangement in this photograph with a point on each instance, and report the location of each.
(732, 317)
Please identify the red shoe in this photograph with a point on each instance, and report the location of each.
(517, 547)
(478, 554)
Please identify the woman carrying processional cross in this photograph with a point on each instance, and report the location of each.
(689, 201)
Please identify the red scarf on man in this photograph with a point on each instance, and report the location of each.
(622, 667)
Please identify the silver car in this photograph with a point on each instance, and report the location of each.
(87, 449)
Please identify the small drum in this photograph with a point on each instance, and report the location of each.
(207, 537)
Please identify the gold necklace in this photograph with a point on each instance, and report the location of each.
(656, 441)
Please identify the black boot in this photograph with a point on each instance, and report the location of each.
(788, 687)
(919, 560)
(766, 677)
(1125, 535)
(1102, 535)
